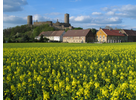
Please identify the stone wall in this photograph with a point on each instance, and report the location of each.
(80, 39)
(56, 25)
(41, 23)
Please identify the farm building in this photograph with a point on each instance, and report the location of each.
(78, 36)
(52, 35)
(130, 35)
(109, 36)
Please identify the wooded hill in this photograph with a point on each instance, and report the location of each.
(26, 33)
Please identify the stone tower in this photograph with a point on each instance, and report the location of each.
(29, 20)
(66, 20)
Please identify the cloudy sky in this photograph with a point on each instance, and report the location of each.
(83, 13)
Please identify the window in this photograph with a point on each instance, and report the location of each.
(100, 32)
(103, 36)
(100, 36)
(97, 36)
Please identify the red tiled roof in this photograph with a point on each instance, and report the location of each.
(113, 32)
(130, 32)
(51, 33)
(74, 33)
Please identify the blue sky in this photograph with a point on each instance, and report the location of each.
(83, 13)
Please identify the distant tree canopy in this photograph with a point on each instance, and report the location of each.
(42, 28)
(41, 38)
(24, 32)
(78, 28)
(93, 30)
(13, 31)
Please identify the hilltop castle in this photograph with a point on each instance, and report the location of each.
(56, 25)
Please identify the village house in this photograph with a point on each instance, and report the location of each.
(109, 36)
(130, 35)
(52, 35)
(78, 36)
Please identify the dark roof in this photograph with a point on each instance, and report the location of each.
(51, 33)
(56, 33)
(47, 33)
(74, 33)
(130, 32)
(112, 32)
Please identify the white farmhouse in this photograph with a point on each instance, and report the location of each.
(53, 35)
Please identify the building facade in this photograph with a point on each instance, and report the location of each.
(78, 36)
(109, 36)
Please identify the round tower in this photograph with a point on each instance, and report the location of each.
(66, 18)
(29, 20)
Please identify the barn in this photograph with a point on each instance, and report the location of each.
(130, 35)
(78, 36)
(53, 35)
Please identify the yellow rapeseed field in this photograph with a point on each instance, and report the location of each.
(104, 72)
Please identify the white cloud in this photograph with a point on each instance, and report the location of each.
(14, 19)
(96, 13)
(81, 19)
(110, 13)
(112, 20)
(127, 11)
(95, 20)
(128, 8)
(97, 26)
(13, 5)
(38, 18)
(105, 9)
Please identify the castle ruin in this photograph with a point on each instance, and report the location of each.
(56, 25)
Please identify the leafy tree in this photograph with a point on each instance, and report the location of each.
(18, 34)
(25, 38)
(36, 31)
(41, 38)
(9, 40)
(42, 28)
(93, 31)
(46, 39)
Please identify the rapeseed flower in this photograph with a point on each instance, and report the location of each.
(70, 71)
(46, 95)
(96, 84)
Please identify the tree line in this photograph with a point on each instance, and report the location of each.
(26, 33)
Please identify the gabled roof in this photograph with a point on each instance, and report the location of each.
(56, 33)
(113, 32)
(130, 32)
(51, 33)
(74, 33)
